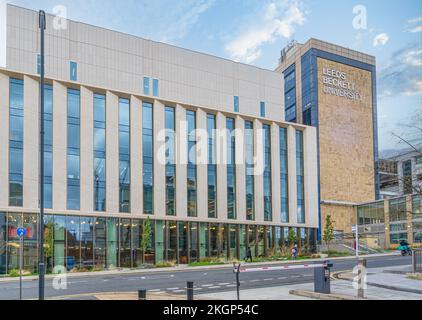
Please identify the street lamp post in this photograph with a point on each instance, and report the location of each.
(41, 269)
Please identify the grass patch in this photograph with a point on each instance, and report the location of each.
(204, 263)
(333, 254)
(415, 276)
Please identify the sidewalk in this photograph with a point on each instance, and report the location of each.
(342, 289)
(180, 268)
(392, 278)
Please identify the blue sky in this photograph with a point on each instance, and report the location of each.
(254, 31)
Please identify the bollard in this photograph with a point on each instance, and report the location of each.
(189, 290)
(236, 270)
(142, 294)
(361, 276)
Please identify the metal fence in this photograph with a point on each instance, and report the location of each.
(417, 260)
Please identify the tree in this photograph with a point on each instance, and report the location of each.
(292, 237)
(145, 237)
(328, 234)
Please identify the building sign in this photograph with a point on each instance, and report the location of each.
(337, 83)
(3, 33)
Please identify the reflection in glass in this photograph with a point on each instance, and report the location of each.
(212, 168)
(147, 153)
(231, 169)
(73, 149)
(124, 155)
(16, 143)
(191, 167)
(250, 189)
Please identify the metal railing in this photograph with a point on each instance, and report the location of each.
(417, 260)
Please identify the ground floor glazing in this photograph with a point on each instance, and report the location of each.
(85, 243)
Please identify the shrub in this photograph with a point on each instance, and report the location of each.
(165, 264)
(14, 273)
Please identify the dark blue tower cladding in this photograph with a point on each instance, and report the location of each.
(290, 93)
(309, 79)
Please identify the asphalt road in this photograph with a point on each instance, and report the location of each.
(205, 281)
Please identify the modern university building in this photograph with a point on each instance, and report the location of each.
(334, 89)
(108, 99)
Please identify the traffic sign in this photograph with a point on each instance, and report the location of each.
(21, 232)
(353, 228)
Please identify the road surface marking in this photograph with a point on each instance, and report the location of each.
(207, 285)
(255, 280)
(269, 279)
(224, 283)
(172, 288)
(215, 287)
(178, 290)
(154, 290)
(231, 285)
(198, 289)
(296, 276)
(281, 278)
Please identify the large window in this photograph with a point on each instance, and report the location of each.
(371, 213)
(268, 216)
(250, 194)
(397, 210)
(191, 167)
(73, 149)
(231, 169)
(284, 186)
(16, 143)
(290, 93)
(147, 159)
(299, 178)
(309, 88)
(212, 168)
(99, 152)
(48, 146)
(124, 155)
(170, 163)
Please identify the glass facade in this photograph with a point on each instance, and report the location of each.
(81, 243)
(309, 89)
(124, 155)
(300, 178)
(397, 210)
(250, 187)
(268, 215)
(16, 143)
(99, 152)
(371, 213)
(147, 157)
(212, 167)
(191, 167)
(284, 185)
(48, 147)
(73, 149)
(231, 169)
(170, 162)
(290, 93)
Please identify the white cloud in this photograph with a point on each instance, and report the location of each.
(278, 21)
(188, 19)
(414, 20)
(413, 58)
(402, 75)
(381, 39)
(416, 29)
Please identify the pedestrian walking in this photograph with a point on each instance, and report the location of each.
(248, 254)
